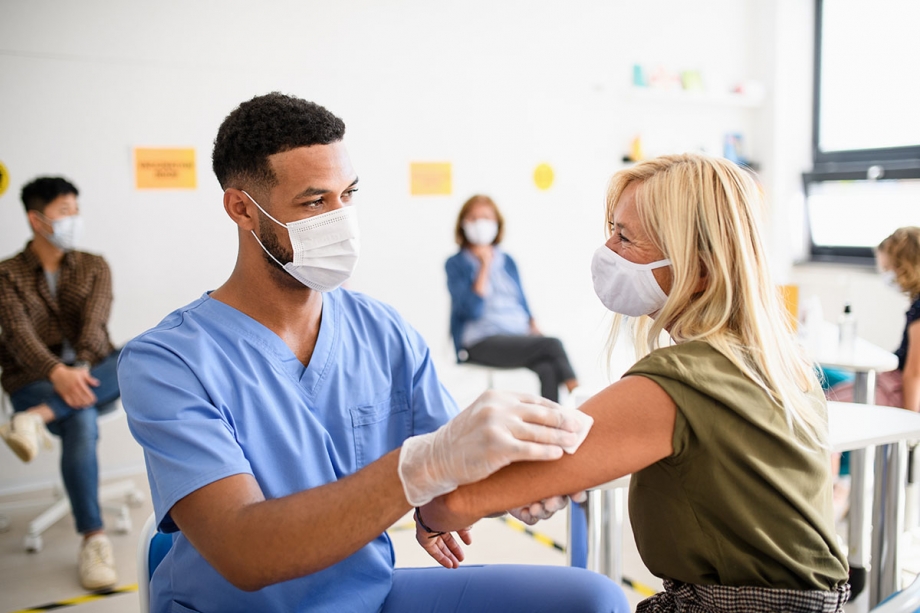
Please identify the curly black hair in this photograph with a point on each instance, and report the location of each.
(44, 190)
(266, 125)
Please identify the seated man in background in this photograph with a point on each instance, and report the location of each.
(287, 423)
(57, 359)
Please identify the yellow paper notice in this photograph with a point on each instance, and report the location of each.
(430, 178)
(543, 176)
(165, 168)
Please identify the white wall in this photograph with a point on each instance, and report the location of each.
(493, 87)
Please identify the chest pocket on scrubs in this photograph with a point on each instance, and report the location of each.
(380, 428)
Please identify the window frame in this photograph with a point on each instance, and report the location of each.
(883, 164)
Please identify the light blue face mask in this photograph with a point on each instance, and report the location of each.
(65, 231)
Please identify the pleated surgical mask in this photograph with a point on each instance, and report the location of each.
(325, 247)
(66, 231)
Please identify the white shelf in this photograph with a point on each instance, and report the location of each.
(702, 98)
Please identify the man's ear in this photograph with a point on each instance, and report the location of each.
(36, 222)
(240, 209)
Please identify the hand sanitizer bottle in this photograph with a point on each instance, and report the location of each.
(847, 330)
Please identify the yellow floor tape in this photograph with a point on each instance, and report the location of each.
(72, 602)
(543, 539)
(515, 525)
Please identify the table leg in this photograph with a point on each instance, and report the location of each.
(864, 387)
(859, 532)
(603, 511)
(887, 520)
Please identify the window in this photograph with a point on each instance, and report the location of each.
(866, 136)
(848, 219)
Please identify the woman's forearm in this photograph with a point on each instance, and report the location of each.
(633, 428)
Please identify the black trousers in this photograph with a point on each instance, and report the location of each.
(542, 354)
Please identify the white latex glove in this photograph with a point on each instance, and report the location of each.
(544, 509)
(496, 430)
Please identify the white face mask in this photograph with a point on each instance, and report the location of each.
(325, 247)
(481, 231)
(66, 231)
(891, 280)
(626, 287)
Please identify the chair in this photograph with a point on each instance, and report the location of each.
(152, 547)
(124, 491)
(905, 601)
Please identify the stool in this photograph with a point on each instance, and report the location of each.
(126, 492)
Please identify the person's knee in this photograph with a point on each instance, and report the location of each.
(593, 592)
(80, 427)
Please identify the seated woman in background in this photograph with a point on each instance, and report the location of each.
(490, 320)
(898, 258)
(724, 430)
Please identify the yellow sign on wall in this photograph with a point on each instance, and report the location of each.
(165, 168)
(4, 178)
(430, 178)
(543, 176)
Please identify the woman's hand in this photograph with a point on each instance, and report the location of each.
(483, 253)
(442, 546)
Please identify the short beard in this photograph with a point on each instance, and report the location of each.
(273, 246)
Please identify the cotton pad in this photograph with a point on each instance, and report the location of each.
(585, 422)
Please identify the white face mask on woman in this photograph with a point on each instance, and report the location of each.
(626, 287)
(480, 231)
(65, 231)
(890, 279)
(325, 247)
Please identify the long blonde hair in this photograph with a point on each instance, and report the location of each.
(701, 212)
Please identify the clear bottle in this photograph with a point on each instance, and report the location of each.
(847, 330)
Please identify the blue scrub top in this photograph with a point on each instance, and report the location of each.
(210, 393)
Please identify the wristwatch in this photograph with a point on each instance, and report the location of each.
(82, 364)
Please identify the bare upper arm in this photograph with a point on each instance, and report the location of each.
(633, 428)
(208, 514)
(912, 359)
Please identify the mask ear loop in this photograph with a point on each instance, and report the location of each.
(253, 232)
(283, 225)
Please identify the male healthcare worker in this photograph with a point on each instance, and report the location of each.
(272, 411)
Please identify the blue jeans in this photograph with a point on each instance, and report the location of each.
(504, 588)
(79, 433)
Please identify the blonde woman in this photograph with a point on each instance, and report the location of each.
(898, 258)
(724, 429)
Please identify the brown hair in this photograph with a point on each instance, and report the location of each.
(460, 237)
(903, 251)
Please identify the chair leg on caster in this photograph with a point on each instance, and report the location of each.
(33, 543)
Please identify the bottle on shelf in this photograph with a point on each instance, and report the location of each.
(847, 329)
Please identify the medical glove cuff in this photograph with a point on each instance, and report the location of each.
(420, 471)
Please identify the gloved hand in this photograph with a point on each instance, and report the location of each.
(544, 509)
(496, 430)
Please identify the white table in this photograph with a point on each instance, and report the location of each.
(876, 515)
(865, 360)
(853, 427)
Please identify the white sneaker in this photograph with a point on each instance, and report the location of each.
(97, 564)
(23, 434)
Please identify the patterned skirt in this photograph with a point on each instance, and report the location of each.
(680, 597)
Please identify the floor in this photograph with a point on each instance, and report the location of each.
(30, 581)
(47, 580)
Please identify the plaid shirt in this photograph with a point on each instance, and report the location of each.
(33, 325)
(680, 597)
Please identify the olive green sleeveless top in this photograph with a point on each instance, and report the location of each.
(741, 502)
